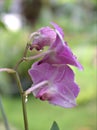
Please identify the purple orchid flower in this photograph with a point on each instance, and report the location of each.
(43, 37)
(60, 51)
(62, 54)
(54, 84)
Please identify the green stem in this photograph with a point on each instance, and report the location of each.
(22, 93)
(20, 87)
(4, 115)
(23, 101)
(18, 63)
(24, 58)
(24, 55)
(26, 49)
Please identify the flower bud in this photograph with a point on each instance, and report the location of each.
(43, 37)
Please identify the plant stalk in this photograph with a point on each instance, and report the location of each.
(23, 100)
(4, 115)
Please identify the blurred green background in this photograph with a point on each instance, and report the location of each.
(18, 18)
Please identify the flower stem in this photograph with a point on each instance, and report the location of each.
(7, 70)
(4, 115)
(22, 96)
(26, 50)
(19, 85)
(18, 63)
(24, 55)
(23, 101)
(24, 112)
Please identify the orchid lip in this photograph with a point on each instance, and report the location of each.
(54, 84)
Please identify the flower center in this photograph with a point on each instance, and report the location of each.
(45, 96)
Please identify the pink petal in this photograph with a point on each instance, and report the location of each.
(58, 28)
(46, 37)
(62, 55)
(61, 90)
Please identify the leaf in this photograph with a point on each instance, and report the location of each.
(54, 126)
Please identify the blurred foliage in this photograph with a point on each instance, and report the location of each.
(11, 49)
(31, 10)
(74, 1)
(2, 25)
(42, 114)
(7, 4)
(65, 1)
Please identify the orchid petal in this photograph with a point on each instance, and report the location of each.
(60, 88)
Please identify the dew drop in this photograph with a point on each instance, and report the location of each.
(26, 98)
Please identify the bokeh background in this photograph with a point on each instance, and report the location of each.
(18, 19)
